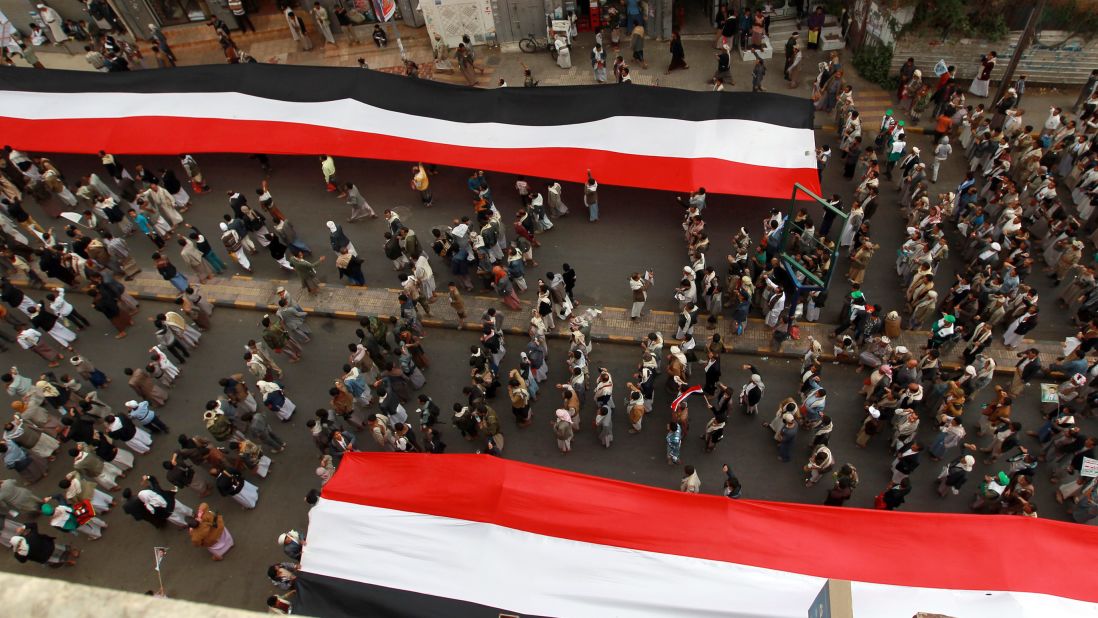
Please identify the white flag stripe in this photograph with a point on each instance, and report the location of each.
(740, 141)
(538, 574)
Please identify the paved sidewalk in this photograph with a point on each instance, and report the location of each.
(613, 325)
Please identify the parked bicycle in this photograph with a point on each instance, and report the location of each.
(532, 44)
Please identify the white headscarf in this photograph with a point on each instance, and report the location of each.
(266, 388)
(152, 500)
(20, 546)
(967, 462)
(331, 226)
(814, 346)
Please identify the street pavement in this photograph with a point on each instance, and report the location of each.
(639, 229)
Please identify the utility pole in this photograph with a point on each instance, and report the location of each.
(862, 34)
(1020, 48)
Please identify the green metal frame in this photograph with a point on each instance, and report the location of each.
(792, 266)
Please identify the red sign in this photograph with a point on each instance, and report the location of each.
(385, 9)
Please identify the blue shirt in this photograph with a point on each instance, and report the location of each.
(14, 455)
(1070, 369)
(142, 413)
(142, 223)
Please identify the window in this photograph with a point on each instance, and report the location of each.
(174, 12)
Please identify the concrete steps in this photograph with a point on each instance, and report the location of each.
(780, 29)
(1068, 64)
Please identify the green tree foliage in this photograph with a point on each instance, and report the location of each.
(874, 63)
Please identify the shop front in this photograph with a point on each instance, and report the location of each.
(516, 19)
(177, 12)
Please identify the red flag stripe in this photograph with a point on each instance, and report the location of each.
(180, 134)
(688, 392)
(978, 552)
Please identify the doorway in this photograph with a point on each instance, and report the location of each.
(527, 18)
(176, 12)
(694, 17)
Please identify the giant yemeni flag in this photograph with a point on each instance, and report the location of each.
(753, 144)
(473, 535)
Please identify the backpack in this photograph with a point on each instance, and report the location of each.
(220, 427)
(489, 236)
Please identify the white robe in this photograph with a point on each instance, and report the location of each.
(123, 460)
(775, 312)
(62, 334)
(248, 496)
(140, 442)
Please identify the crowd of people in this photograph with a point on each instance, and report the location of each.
(1023, 211)
(1014, 224)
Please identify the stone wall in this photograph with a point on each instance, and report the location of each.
(454, 18)
(21, 595)
(1070, 63)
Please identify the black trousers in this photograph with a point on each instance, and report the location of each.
(157, 426)
(245, 22)
(178, 351)
(79, 320)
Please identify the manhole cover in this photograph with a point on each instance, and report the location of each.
(493, 60)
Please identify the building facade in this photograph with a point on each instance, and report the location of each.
(508, 21)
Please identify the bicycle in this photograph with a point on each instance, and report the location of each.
(532, 44)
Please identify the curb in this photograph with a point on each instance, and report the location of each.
(430, 322)
(832, 128)
(765, 353)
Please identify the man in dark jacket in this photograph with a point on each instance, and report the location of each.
(31, 546)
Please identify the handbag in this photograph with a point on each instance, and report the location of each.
(879, 502)
(83, 511)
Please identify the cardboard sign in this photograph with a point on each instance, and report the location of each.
(1090, 468)
(1049, 394)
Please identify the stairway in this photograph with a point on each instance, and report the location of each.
(872, 102)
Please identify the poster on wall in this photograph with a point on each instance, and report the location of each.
(385, 9)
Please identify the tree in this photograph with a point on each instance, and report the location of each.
(947, 15)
